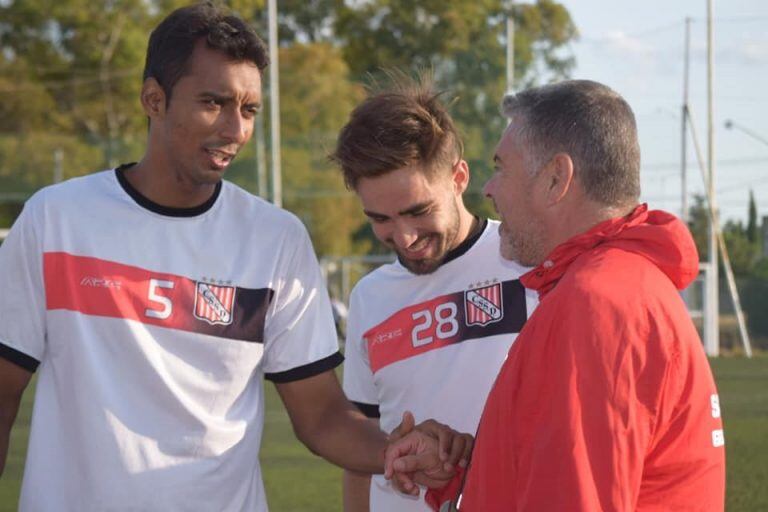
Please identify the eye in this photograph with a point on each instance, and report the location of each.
(211, 103)
(251, 111)
(375, 219)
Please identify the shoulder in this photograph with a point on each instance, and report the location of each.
(262, 215)
(619, 298)
(68, 191)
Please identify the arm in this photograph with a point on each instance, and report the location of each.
(330, 426)
(13, 381)
(357, 491)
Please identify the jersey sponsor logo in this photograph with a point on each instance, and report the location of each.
(381, 337)
(718, 438)
(98, 282)
(493, 309)
(214, 303)
(89, 286)
(483, 305)
(714, 402)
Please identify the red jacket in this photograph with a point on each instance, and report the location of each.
(606, 401)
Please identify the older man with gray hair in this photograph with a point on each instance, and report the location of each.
(606, 401)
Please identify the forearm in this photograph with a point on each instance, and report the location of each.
(348, 439)
(5, 432)
(7, 417)
(13, 381)
(330, 426)
(357, 491)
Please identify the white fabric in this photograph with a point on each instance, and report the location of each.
(450, 383)
(134, 416)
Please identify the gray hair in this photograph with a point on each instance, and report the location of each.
(590, 122)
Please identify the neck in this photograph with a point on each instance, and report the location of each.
(468, 225)
(579, 219)
(154, 178)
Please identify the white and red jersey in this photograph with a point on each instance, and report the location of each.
(432, 344)
(154, 329)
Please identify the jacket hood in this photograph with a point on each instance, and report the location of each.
(659, 236)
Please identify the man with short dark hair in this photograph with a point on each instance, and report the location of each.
(428, 333)
(155, 298)
(606, 401)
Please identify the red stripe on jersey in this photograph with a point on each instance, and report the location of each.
(415, 330)
(104, 288)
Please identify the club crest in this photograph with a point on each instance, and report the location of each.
(214, 303)
(483, 305)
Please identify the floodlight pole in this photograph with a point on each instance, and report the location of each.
(510, 53)
(684, 127)
(274, 103)
(712, 327)
(261, 158)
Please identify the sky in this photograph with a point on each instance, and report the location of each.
(637, 48)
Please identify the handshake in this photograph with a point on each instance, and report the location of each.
(428, 454)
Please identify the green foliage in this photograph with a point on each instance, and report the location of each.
(752, 219)
(316, 98)
(755, 300)
(463, 41)
(742, 251)
(698, 223)
(70, 76)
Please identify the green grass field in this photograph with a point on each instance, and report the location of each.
(297, 481)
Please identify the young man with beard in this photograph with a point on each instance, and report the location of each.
(427, 333)
(606, 401)
(155, 298)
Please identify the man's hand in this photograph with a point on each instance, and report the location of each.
(412, 460)
(453, 447)
(425, 454)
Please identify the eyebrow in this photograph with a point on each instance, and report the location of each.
(226, 98)
(215, 96)
(408, 211)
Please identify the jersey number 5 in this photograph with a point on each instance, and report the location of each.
(447, 325)
(166, 306)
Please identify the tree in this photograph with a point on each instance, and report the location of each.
(463, 42)
(698, 223)
(70, 76)
(752, 234)
(315, 100)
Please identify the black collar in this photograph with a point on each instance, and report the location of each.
(168, 211)
(468, 242)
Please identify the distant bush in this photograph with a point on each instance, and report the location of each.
(755, 300)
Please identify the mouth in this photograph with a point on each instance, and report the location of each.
(419, 249)
(219, 159)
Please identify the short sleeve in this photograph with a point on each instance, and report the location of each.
(358, 378)
(300, 335)
(22, 295)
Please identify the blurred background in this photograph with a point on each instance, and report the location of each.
(70, 75)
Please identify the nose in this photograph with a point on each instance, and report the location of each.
(488, 187)
(404, 236)
(236, 128)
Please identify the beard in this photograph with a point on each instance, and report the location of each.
(444, 242)
(525, 246)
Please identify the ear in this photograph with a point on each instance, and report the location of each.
(152, 98)
(460, 177)
(557, 178)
